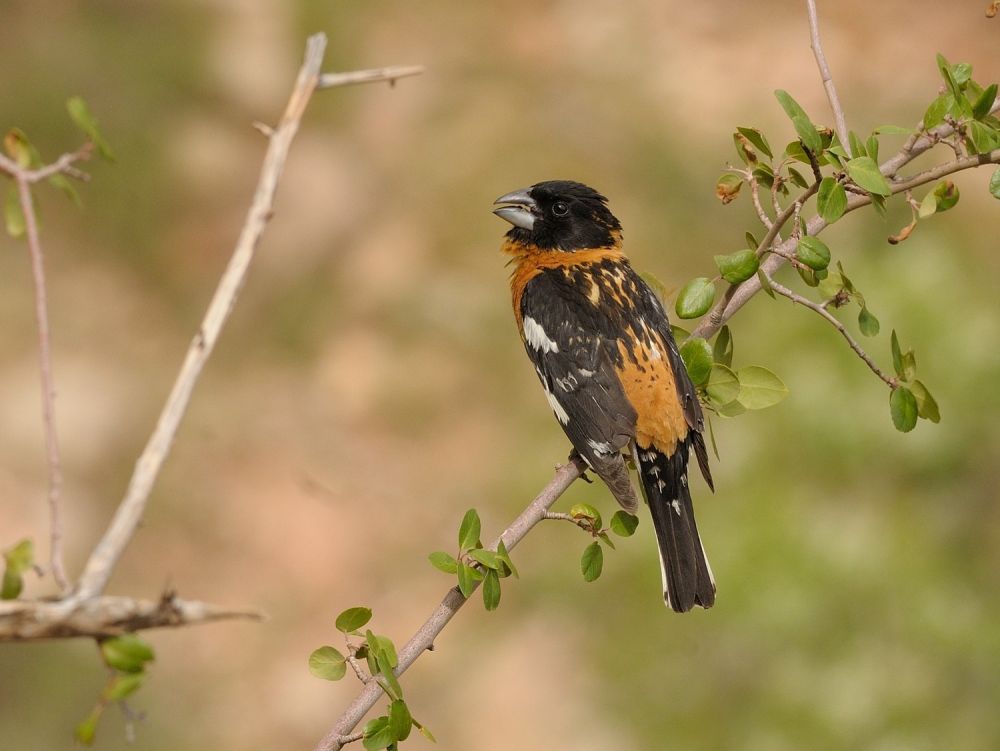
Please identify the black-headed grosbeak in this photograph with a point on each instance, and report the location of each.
(603, 350)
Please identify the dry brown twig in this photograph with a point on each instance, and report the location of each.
(83, 611)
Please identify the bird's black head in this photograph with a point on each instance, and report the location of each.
(559, 215)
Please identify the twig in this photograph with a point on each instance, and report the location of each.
(33, 620)
(822, 311)
(423, 639)
(839, 121)
(755, 195)
(126, 519)
(390, 74)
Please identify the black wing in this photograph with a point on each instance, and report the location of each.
(580, 381)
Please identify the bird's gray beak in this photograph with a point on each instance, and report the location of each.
(517, 208)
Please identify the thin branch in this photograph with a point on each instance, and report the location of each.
(839, 121)
(33, 620)
(390, 74)
(822, 311)
(423, 639)
(758, 207)
(126, 519)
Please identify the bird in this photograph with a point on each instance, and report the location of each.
(612, 374)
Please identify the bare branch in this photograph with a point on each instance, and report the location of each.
(824, 71)
(822, 311)
(126, 519)
(423, 639)
(105, 616)
(758, 207)
(390, 74)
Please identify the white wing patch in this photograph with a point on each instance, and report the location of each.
(536, 337)
(601, 448)
(561, 414)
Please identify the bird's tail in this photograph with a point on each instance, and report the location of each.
(687, 577)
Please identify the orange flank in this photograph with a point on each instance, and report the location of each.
(648, 382)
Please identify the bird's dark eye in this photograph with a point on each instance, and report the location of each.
(560, 209)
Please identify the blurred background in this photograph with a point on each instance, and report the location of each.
(371, 387)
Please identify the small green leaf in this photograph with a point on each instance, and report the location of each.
(491, 590)
(383, 645)
(425, 732)
(466, 579)
(723, 386)
(743, 149)
(443, 562)
(468, 531)
(728, 187)
(722, 349)
(864, 171)
(808, 134)
(813, 252)
(81, 115)
(697, 356)
(87, 729)
(995, 184)
(927, 408)
(18, 148)
(386, 677)
(400, 721)
(909, 365)
(739, 266)
(949, 77)
(946, 195)
(894, 130)
(59, 181)
(624, 524)
(606, 539)
(123, 686)
(867, 322)
(592, 561)
(485, 557)
(377, 734)
(757, 139)
(903, 407)
(984, 103)
(21, 556)
(695, 298)
(12, 585)
(962, 73)
(327, 663)
(352, 619)
(937, 110)
(127, 653)
(897, 354)
(587, 512)
(759, 387)
(504, 556)
(831, 200)
(751, 241)
(983, 137)
(13, 215)
(765, 283)
(857, 148)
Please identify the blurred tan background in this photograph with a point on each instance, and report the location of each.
(371, 386)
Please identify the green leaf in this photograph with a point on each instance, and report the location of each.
(383, 645)
(127, 653)
(897, 355)
(983, 137)
(587, 512)
(867, 322)
(903, 407)
(386, 677)
(831, 200)
(400, 721)
(59, 181)
(81, 115)
(739, 266)
(759, 387)
(425, 732)
(377, 734)
(592, 561)
(857, 148)
(949, 77)
(466, 579)
(945, 195)
(728, 187)
(927, 408)
(909, 365)
(443, 562)
(937, 110)
(984, 103)
(751, 241)
(813, 252)
(20, 557)
(864, 171)
(624, 524)
(485, 557)
(723, 385)
(87, 729)
(808, 134)
(755, 137)
(962, 73)
(746, 154)
(765, 283)
(352, 619)
(504, 556)
(13, 215)
(697, 355)
(19, 148)
(12, 585)
(468, 531)
(995, 184)
(894, 130)
(123, 686)
(607, 539)
(695, 298)
(491, 590)
(722, 350)
(327, 663)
